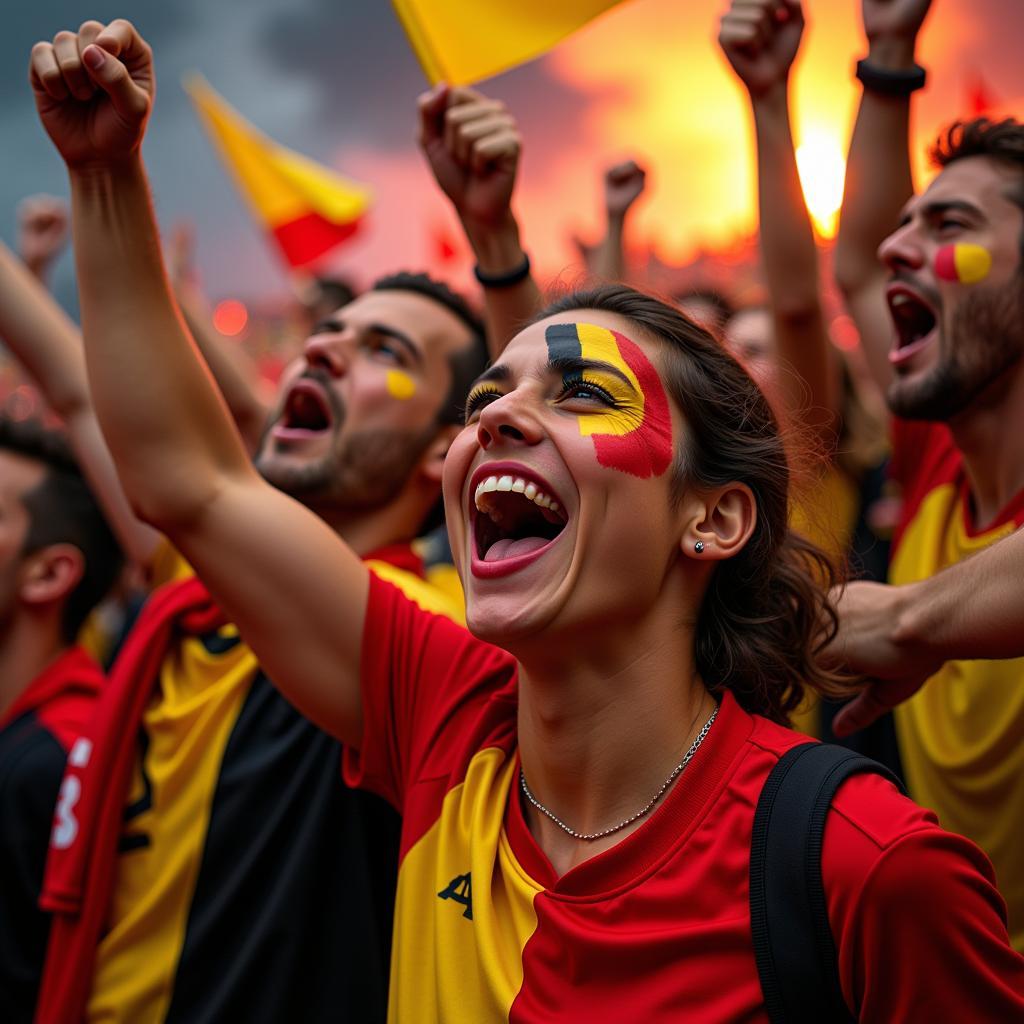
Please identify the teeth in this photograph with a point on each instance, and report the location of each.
(900, 300)
(516, 485)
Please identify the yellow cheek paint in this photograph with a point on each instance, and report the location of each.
(964, 262)
(400, 385)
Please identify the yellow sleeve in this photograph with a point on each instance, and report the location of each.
(168, 566)
(435, 594)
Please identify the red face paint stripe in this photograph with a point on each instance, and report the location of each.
(647, 450)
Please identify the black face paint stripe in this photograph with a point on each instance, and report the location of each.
(563, 342)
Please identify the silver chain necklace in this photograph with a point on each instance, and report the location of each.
(639, 814)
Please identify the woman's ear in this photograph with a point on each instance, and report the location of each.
(720, 522)
(431, 463)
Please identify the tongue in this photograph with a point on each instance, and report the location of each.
(508, 548)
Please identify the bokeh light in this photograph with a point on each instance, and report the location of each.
(230, 317)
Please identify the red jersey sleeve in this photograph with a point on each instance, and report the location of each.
(920, 928)
(428, 687)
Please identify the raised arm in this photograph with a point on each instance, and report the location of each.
(623, 185)
(760, 38)
(232, 369)
(49, 346)
(472, 145)
(900, 636)
(878, 178)
(297, 593)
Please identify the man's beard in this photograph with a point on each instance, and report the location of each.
(365, 472)
(984, 340)
(368, 472)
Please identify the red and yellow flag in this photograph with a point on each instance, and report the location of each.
(462, 41)
(306, 207)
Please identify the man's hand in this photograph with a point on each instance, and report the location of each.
(181, 247)
(870, 643)
(472, 144)
(43, 230)
(94, 91)
(894, 18)
(623, 184)
(760, 39)
(892, 27)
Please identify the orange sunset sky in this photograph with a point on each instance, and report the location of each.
(337, 81)
(659, 90)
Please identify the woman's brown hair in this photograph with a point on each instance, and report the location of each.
(766, 614)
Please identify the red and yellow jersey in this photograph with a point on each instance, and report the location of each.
(251, 883)
(658, 927)
(960, 735)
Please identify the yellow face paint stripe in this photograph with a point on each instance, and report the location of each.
(400, 385)
(598, 343)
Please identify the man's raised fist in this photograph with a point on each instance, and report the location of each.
(623, 184)
(760, 39)
(44, 224)
(472, 144)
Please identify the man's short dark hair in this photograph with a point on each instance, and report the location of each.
(468, 362)
(1002, 141)
(722, 309)
(62, 510)
(333, 292)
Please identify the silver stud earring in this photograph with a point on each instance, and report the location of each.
(699, 546)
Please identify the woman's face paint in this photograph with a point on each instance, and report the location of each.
(964, 262)
(400, 385)
(634, 435)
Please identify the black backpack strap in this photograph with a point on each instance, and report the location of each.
(793, 944)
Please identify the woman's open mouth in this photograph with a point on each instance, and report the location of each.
(516, 518)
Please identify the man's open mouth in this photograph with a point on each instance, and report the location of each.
(306, 411)
(515, 517)
(913, 318)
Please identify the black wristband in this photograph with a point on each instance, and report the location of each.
(506, 280)
(891, 81)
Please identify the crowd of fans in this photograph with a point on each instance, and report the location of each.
(433, 657)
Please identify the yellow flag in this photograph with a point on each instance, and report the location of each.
(462, 41)
(307, 208)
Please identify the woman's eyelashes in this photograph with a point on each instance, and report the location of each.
(573, 388)
(478, 398)
(579, 388)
